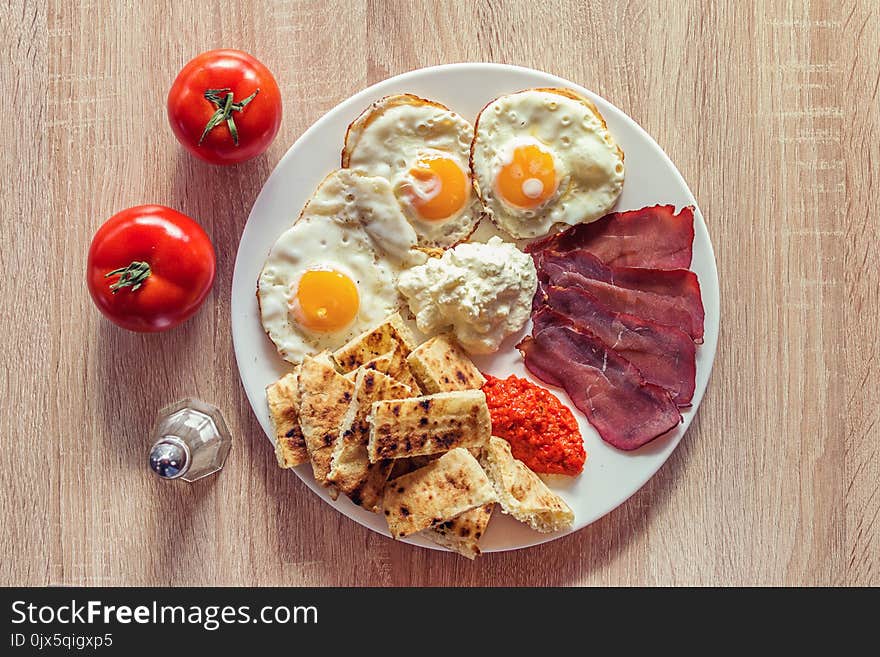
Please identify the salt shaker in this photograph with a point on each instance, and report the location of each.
(190, 441)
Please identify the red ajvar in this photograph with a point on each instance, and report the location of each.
(542, 432)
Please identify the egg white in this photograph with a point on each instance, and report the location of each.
(352, 225)
(388, 140)
(589, 164)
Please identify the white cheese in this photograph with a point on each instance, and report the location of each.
(481, 292)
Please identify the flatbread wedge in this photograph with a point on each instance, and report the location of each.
(429, 424)
(394, 365)
(283, 400)
(440, 365)
(398, 368)
(325, 396)
(379, 363)
(436, 493)
(521, 492)
(376, 342)
(406, 465)
(462, 534)
(350, 468)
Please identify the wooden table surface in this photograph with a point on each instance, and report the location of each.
(770, 111)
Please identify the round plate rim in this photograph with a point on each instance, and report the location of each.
(363, 98)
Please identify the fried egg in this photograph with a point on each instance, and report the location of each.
(423, 149)
(333, 274)
(543, 157)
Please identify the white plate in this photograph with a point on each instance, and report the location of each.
(610, 476)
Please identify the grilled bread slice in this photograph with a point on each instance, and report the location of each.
(350, 468)
(325, 396)
(436, 493)
(394, 365)
(430, 424)
(521, 492)
(283, 399)
(379, 363)
(441, 365)
(462, 534)
(390, 334)
(406, 465)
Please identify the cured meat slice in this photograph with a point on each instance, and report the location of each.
(627, 411)
(664, 355)
(674, 282)
(647, 305)
(652, 237)
(670, 297)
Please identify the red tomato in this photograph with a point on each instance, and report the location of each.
(225, 107)
(150, 268)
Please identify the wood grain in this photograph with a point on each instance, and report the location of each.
(770, 111)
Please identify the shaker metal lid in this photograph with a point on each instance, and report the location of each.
(169, 457)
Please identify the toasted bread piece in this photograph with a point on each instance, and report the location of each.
(283, 400)
(393, 364)
(350, 469)
(428, 425)
(380, 363)
(400, 370)
(397, 368)
(407, 465)
(440, 365)
(521, 492)
(462, 534)
(436, 493)
(374, 343)
(325, 396)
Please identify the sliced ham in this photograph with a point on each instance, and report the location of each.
(670, 297)
(647, 305)
(664, 355)
(626, 410)
(674, 282)
(653, 237)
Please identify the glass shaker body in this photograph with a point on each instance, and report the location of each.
(190, 441)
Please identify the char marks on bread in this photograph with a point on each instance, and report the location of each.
(350, 468)
(462, 534)
(376, 342)
(401, 428)
(521, 492)
(436, 493)
(283, 400)
(325, 396)
(440, 365)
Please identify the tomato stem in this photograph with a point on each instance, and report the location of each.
(132, 276)
(222, 100)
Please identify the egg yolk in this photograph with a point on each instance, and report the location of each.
(529, 179)
(439, 188)
(325, 301)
